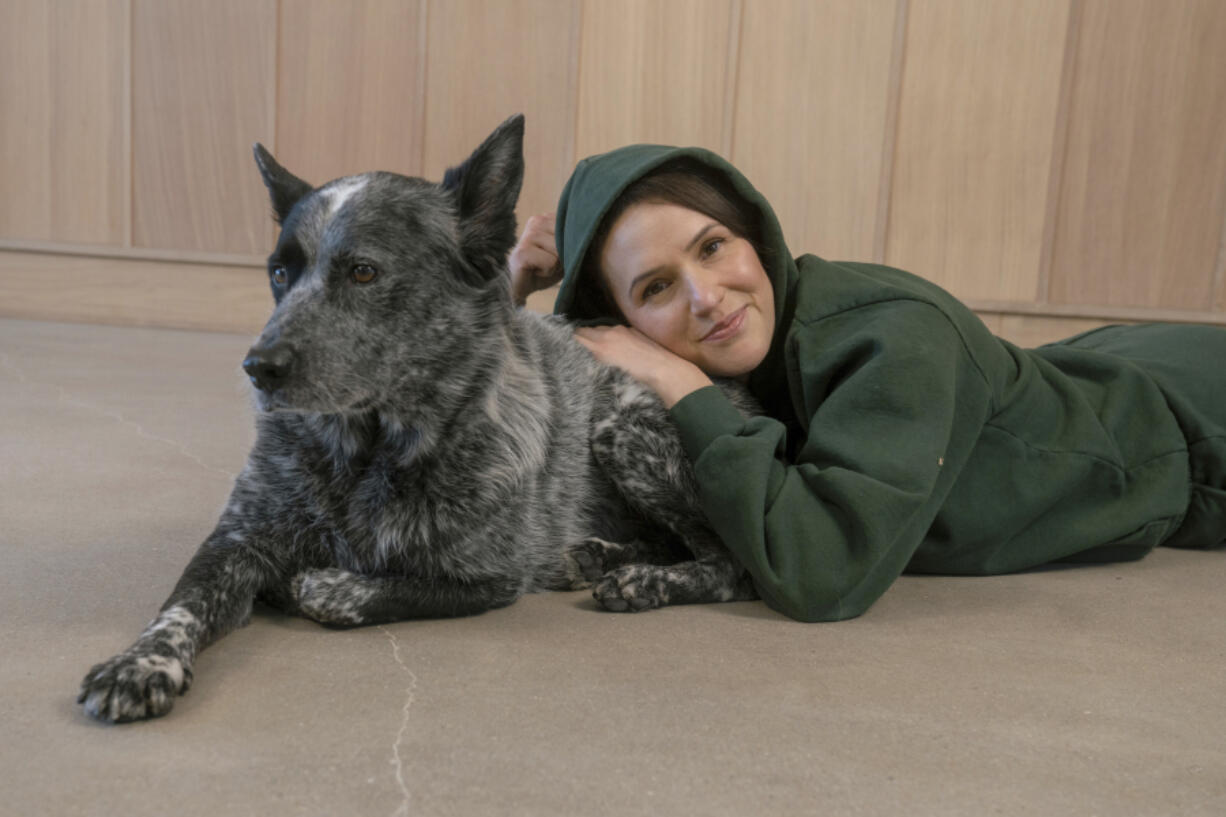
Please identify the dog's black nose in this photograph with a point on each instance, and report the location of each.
(269, 366)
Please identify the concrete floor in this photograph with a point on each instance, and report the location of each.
(1094, 690)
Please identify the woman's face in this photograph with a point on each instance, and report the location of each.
(685, 281)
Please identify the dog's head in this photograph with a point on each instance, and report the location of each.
(383, 283)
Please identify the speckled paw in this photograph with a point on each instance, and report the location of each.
(632, 588)
(134, 685)
(331, 596)
(588, 561)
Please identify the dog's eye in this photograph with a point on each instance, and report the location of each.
(363, 273)
(279, 276)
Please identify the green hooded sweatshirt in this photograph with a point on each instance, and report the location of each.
(901, 435)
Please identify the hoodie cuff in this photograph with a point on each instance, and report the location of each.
(701, 416)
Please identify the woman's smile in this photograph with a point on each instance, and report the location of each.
(727, 328)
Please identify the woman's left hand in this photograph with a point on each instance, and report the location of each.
(670, 376)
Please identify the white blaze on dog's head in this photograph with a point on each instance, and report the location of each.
(341, 191)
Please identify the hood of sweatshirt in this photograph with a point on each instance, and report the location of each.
(592, 190)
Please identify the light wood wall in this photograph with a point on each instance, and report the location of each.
(1057, 164)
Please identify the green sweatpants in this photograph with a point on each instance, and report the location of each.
(1188, 362)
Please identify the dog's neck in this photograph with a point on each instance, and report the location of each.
(351, 440)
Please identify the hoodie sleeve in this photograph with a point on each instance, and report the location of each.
(894, 403)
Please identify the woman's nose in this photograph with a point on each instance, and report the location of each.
(705, 290)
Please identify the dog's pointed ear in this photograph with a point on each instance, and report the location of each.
(284, 187)
(486, 188)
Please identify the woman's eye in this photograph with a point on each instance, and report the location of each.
(712, 246)
(279, 276)
(363, 273)
(654, 288)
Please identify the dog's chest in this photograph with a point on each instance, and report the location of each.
(382, 517)
(377, 514)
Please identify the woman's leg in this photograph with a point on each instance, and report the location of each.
(1188, 362)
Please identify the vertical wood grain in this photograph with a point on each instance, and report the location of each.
(811, 107)
(488, 61)
(202, 94)
(349, 77)
(974, 145)
(1142, 199)
(62, 150)
(653, 71)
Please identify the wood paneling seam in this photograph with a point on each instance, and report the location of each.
(889, 142)
(1059, 152)
(419, 112)
(127, 113)
(423, 48)
(1107, 312)
(274, 122)
(575, 65)
(8, 245)
(732, 71)
(275, 135)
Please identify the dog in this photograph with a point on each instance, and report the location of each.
(424, 448)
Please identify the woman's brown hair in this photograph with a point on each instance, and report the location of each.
(683, 182)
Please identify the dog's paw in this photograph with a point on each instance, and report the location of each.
(631, 588)
(588, 561)
(331, 596)
(134, 685)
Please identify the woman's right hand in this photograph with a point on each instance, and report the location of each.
(534, 260)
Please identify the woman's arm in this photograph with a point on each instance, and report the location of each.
(533, 262)
(895, 405)
(670, 376)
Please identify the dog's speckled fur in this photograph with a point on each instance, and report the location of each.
(424, 448)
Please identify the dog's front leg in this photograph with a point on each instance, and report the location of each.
(213, 596)
(343, 599)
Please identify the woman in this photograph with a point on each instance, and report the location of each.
(900, 434)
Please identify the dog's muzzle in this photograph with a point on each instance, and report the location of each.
(269, 366)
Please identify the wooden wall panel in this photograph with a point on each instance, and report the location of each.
(1057, 163)
(63, 155)
(1142, 199)
(1029, 331)
(653, 71)
(130, 292)
(203, 91)
(973, 157)
(489, 60)
(810, 118)
(351, 87)
(1219, 278)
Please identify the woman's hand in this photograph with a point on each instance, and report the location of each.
(534, 260)
(669, 376)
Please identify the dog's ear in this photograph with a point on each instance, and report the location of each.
(284, 187)
(486, 188)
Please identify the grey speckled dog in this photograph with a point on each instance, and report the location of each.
(424, 448)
